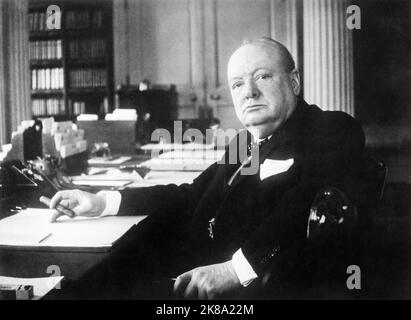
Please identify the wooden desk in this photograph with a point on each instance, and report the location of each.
(79, 268)
(76, 267)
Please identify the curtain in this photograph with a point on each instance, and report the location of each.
(14, 66)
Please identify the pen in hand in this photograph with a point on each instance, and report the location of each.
(60, 208)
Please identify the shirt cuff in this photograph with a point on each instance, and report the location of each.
(113, 200)
(243, 269)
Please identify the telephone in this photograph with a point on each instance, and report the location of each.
(21, 185)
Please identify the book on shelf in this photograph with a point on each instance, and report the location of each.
(87, 48)
(47, 106)
(47, 79)
(69, 63)
(85, 78)
(45, 50)
(81, 19)
(97, 20)
(38, 21)
(77, 19)
(79, 107)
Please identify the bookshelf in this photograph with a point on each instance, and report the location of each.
(71, 67)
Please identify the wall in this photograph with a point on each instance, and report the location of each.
(188, 43)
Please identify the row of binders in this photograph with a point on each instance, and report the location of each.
(85, 78)
(38, 21)
(47, 79)
(79, 107)
(84, 19)
(42, 50)
(73, 20)
(94, 48)
(49, 106)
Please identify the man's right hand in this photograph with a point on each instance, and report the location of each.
(81, 202)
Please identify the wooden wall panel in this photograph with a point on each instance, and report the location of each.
(189, 42)
(234, 21)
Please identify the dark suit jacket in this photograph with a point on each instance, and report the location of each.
(266, 217)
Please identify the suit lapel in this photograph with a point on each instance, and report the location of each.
(285, 142)
(262, 155)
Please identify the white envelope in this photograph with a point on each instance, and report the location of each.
(272, 167)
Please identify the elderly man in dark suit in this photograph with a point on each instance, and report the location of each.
(236, 224)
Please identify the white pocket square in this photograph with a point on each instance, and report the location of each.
(272, 167)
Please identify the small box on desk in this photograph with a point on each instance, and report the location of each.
(120, 135)
(16, 292)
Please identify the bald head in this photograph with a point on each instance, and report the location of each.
(264, 85)
(280, 50)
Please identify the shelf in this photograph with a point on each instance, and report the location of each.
(88, 90)
(87, 62)
(87, 32)
(45, 35)
(42, 93)
(70, 33)
(76, 64)
(46, 63)
(41, 5)
(57, 117)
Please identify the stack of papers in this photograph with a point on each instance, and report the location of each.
(122, 114)
(168, 177)
(87, 117)
(113, 160)
(182, 157)
(213, 155)
(177, 146)
(31, 228)
(178, 164)
(107, 178)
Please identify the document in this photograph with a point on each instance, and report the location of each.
(32, 228)
(41, 286)
(102, 183)
(213, 155)
(164, 164)
(114, 160)
(110, 178)
(162, 146)
(177, 146)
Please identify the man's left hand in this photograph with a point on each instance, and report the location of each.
(208, 282)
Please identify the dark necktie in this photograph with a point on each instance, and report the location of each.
(256, 144)
(250, 148)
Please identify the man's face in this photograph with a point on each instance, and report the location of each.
(263, 93)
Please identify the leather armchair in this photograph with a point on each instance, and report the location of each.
(317, 268)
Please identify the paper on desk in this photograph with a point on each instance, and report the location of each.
(111, 178)
(162, 146)
(177, 146)
(110, 174)
(176, 177)
(177, 164)
(118, 160)
(213, 155)
(41, 286)
(102, 183)
(30, 226)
